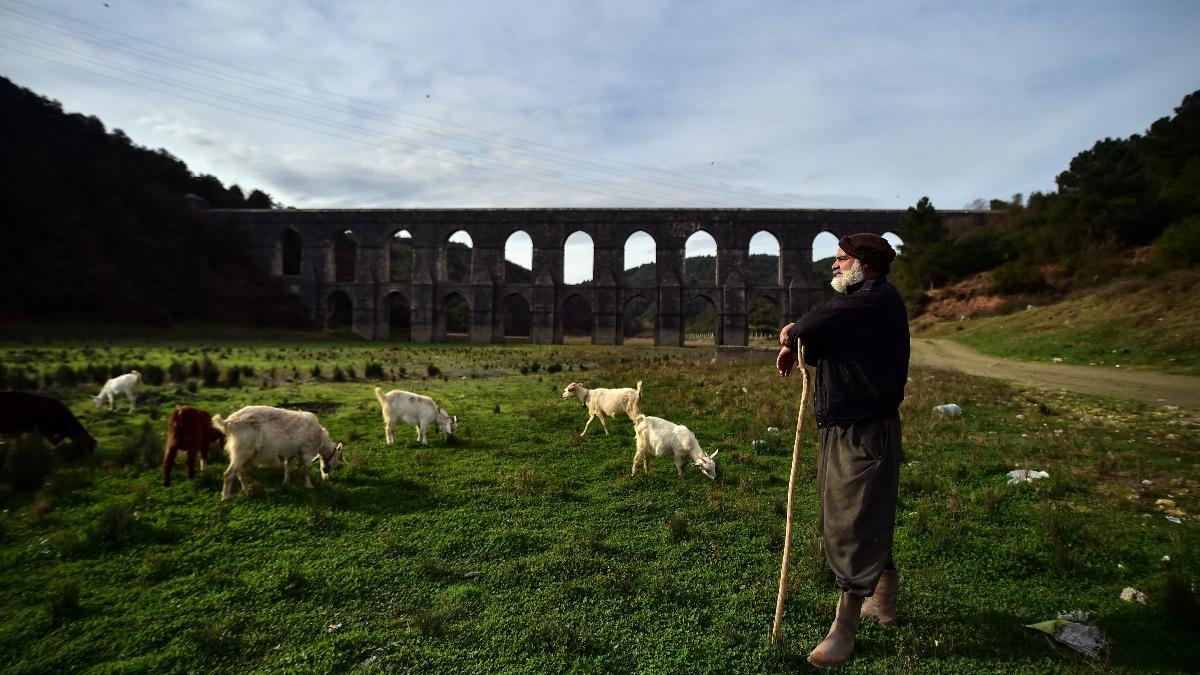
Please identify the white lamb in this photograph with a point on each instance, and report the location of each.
(659, 437)
(610, 402)
(122, 384)
(420, 411)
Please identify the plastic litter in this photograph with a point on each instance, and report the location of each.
(1025, 476)
(947, 410)
(1175, 520)
(471, 575)
(1073, 630)
(1131, 594)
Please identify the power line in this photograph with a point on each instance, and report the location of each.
(544, 175)
(589, 163)
(299, 126)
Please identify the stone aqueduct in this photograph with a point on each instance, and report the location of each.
(298, 245)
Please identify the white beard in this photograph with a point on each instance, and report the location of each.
(848, 278)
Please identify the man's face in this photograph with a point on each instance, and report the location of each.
(846, 271)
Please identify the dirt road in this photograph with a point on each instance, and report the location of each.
(1143, 385)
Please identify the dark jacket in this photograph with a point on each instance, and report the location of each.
(859, 344)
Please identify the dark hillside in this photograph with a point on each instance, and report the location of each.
(98, 227)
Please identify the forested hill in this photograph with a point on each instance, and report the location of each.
(98, 227)
(1121, 194)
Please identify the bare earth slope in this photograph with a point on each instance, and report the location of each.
(1150, 387)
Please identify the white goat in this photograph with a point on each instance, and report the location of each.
(420, 411)
(610, 402)
(260, 435)
(659, 437)
(122, 384)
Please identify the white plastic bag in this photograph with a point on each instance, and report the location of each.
(1025, 476)
(950, 410)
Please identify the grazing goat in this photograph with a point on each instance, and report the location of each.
(260, 435)
(659, 437)
(29, 413)
(610, 402)
(189, 430)
(122, 384)
(420, 411)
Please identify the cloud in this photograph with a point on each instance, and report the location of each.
(869, 104)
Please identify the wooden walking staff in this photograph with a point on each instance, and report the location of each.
(787, 532)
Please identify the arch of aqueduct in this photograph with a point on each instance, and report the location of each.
(298, 245)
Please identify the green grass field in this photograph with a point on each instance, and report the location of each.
(1134, 321)
(581, 568)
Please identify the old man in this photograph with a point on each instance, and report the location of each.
(859, 345)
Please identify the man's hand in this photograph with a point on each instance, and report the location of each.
(784, 339)
(786, 360)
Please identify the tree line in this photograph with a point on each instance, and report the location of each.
(1118, 195)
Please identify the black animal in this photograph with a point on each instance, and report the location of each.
(23, 413)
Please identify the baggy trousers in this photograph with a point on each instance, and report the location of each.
(858, 477)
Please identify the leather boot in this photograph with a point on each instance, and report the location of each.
(882, 605)
(838, 646)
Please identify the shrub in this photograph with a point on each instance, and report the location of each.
(1178, 246)
(977, 250)
(432, 370)
(232, 376)
(373, 371)
(64, 600)
(152, 374)
(66, 376)
(338, 375)
(144, 449)
(678, 527)
(293, 581)
(20, 380)
(177, 372)
(156, 566)
(316, 372)
(26, 462)
(210, 373)
(1018, 277)
(432, 621)
(115, 526)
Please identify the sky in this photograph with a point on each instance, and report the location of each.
(784, 104)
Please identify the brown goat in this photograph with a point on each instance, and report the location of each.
(189, 430)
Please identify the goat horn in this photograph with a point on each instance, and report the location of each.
(714, 453)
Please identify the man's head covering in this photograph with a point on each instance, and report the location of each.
(871, 249)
